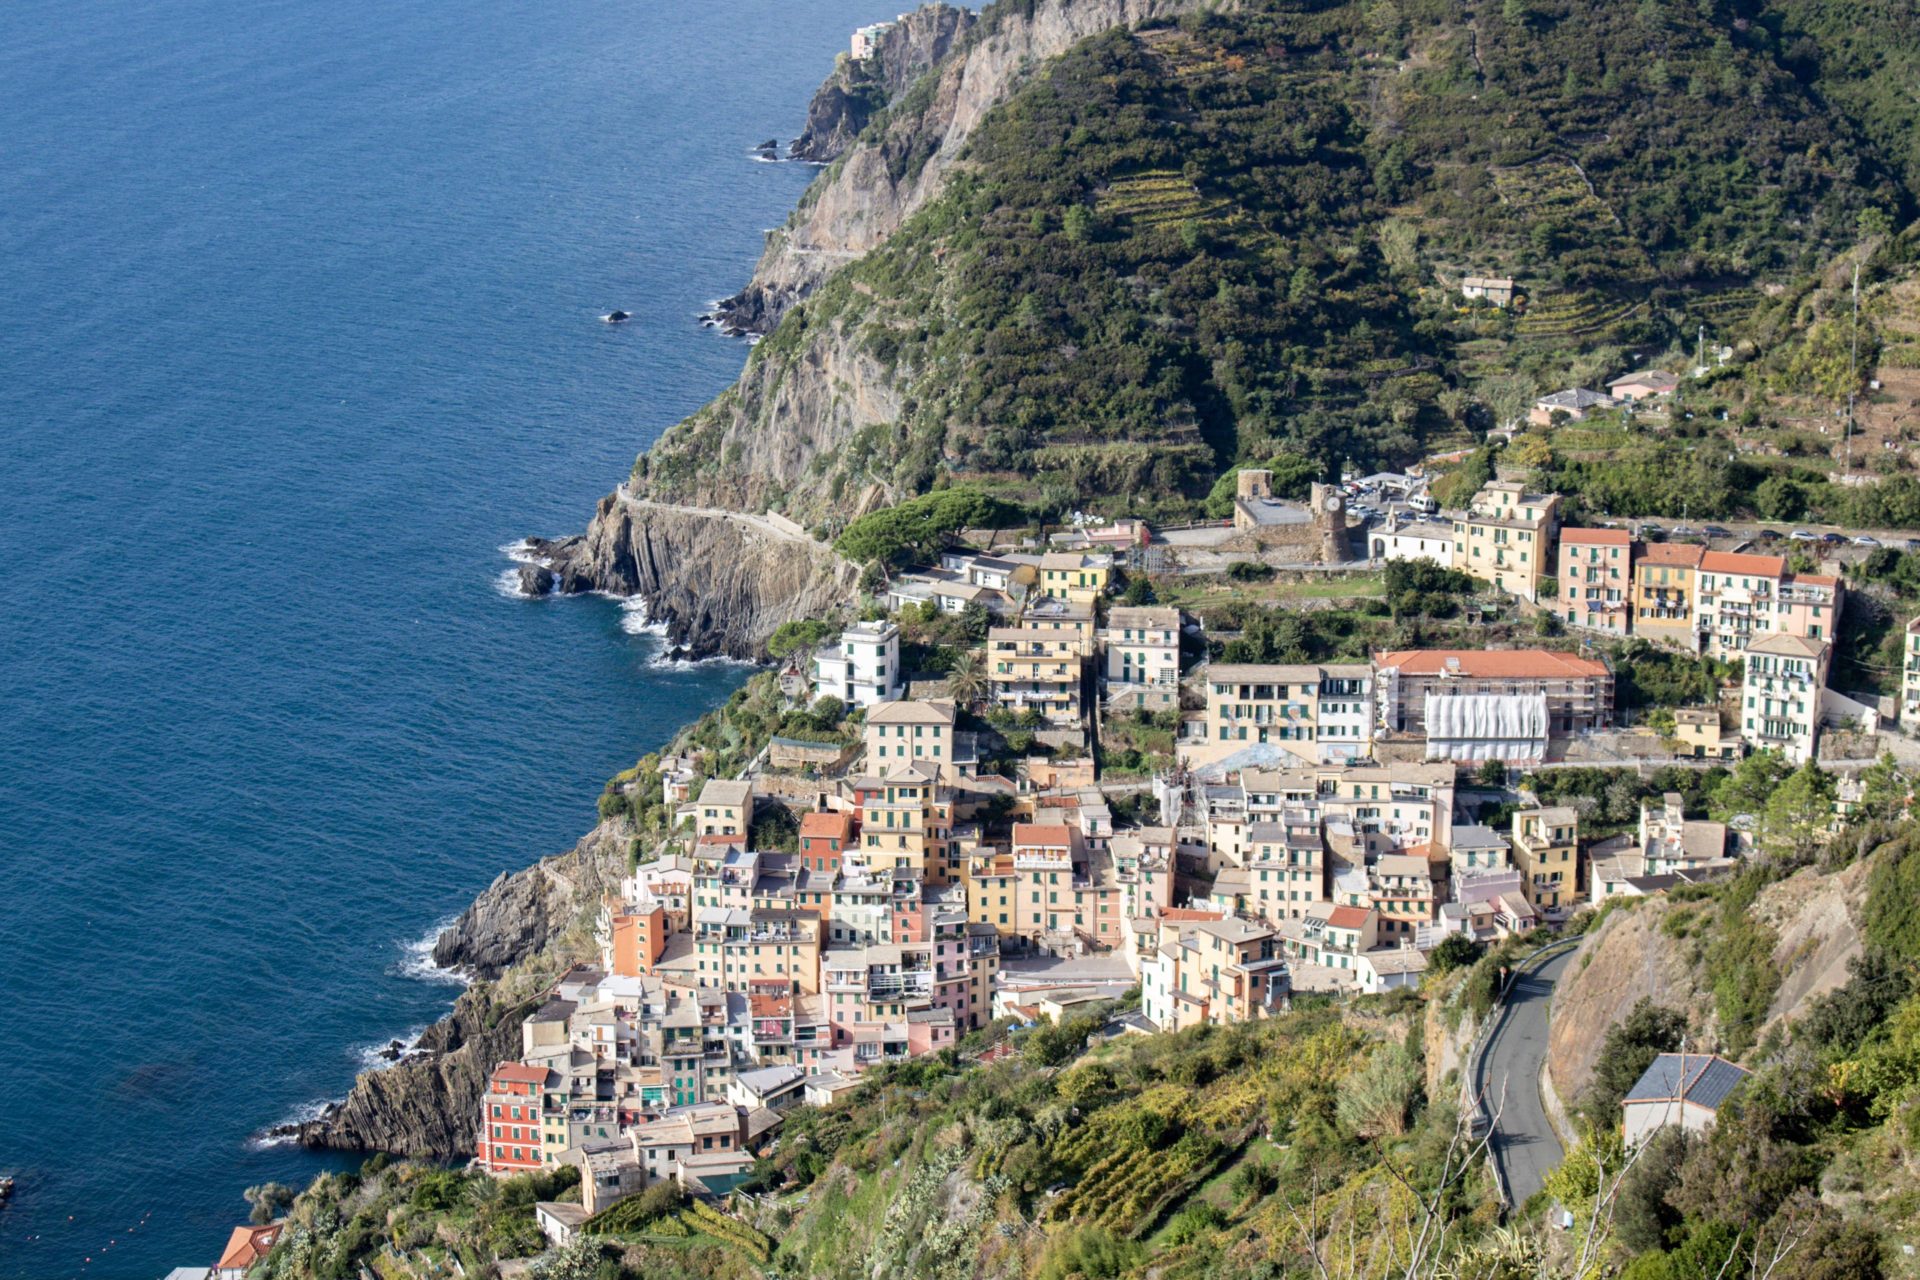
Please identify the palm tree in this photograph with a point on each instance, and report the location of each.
(967, 680)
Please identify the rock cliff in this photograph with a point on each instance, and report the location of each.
(859, 88)
(1646, 952)
(892, 171)
(519, 935)
(721, 581)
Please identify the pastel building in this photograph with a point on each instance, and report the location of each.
(1782, 683)
(1505, 537)
(1596, 579)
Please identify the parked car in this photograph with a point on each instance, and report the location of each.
(1913, 544)
(1865, 540)
(1801, 535)
(1715, 531)
(1651, 528)
(1832, 538)
(1768, 535)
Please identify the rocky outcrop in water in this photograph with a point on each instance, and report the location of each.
(519, 935)
(721, 581)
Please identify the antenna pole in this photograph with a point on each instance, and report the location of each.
(1853, 368)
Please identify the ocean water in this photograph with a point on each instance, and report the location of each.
(298, 329)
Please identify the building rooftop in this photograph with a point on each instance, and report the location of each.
(726, 791)
(1700, 1078)
(1687, 554)
(1491, 663)
(1601, 537)
(1745, 563)
(905, 712)
(1783, 645)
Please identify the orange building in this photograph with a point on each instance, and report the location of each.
(639, 940)
(510, 1139)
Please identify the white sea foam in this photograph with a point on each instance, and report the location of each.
(416, 960)
(508, 585)
(520, 552)
(301, 1114)
(373, 1057)
(662, 662)
(637, 620)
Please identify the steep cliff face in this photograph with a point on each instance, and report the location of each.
(859, 88)
(1650, 951)
(720, 580)
(880, 182)
(519, 935)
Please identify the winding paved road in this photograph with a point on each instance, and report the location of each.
(1524, 1144)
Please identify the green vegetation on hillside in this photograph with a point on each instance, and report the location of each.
(1201, 244)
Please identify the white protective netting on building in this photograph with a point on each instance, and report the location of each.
(1487, 726)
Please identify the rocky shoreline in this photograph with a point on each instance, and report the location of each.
(517, 937)
(721, 576)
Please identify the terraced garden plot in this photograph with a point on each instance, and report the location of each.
(1156, 198)
(1573, 315)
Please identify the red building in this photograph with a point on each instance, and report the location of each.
(823, 838)
(510, 1139)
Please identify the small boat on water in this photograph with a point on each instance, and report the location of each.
(616, 317)
(6, 1188)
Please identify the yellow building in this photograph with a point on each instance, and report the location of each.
(1074, 575)
(725, 808)
(1506, 536)
(906, 822)
(1697, 731)
(1546, 846)
(1036, 668)
(899, 732)
(1665, 578)
(991, 882)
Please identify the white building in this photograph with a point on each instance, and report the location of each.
(862, 667)
(1143, 646)
(1684, 1089)
(1399, 539)
(1780, 694)
(1910, 677)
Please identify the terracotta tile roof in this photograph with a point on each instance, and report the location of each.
(1681, 553)
(520, 1073)
(826, 824)
(247, 1245)
(1603, 537)
(1347, 917)
(1040, 833)
(1184, 915)
(1492, 663)
(1756, 566)
(1813, 580)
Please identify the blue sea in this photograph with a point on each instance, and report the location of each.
(298, 329)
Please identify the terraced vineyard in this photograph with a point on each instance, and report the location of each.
(1157, 198)
(1572, 315)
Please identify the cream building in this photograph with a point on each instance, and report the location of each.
(1505, 537)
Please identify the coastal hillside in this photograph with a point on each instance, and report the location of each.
(1103, 251)
(1325, 1141)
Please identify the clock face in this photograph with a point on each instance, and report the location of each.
(1333, 502)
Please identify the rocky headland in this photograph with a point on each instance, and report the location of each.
(713, 528)
(522, 932)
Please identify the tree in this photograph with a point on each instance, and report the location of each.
(967, 679)
(1375, 1100)
(1748, 787)
(1884, 791)
(1508, 399)
(1077, 223)
(1798, 813)
(1456, 951)
(1632, 1044)
(1780, 498)
(269, 1201)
